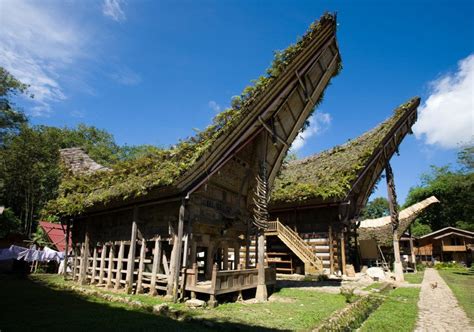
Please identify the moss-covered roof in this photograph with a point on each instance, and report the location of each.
(137, 178)
(332, 173)
(380, 229)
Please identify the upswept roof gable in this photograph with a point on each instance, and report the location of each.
(331, 175)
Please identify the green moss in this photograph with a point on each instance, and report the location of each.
(163, 167)
(330, 174)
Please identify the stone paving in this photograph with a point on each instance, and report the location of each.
(438, 308)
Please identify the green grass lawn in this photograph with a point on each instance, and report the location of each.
(461, 282)
(42, 302)
(414, 278)
(398, 313)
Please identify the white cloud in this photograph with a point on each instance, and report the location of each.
(446, 118)
(126, 76)
(215, 106)
(318, 123)
(36, 42)
(113, 9)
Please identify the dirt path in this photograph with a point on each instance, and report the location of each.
(438, 308)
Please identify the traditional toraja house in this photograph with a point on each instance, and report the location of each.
(170, 221)
(445, 245)
(375, 235)
(318, 199)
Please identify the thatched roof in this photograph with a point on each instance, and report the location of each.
(332, 174)
(380, 229)
(78, 161)
(170, 172)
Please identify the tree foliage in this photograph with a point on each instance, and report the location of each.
(376, 208)
(454, 189)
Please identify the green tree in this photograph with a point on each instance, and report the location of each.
(10, 118)
(376, 208)
(454, 189)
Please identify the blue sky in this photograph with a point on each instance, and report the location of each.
(151, 71)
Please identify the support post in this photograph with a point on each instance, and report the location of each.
(66, 251)
(110, 266)
(236, 256)
(94, 265)
(118, 273)
(209, 260)
(412, 252)
(141, 266)
(225, 258)
(102, 264)
(331, 251)
(261, 294)
(392, 202)
(131, 252)
(343, 253)
(178, 253)
(85, 260)
(74, 261)
(247, 247)
(156, 265)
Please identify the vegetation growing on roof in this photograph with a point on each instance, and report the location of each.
(161, 168)
(330, 174)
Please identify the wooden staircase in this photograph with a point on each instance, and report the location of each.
(312, 263)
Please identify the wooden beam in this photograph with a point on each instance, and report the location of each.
(74, 261)
(331, 250)
(66, 251)
(94, 265)
(85, 260)
(131, 252)
(102, 264)
(261, 294)
(179, 244)
(392, 202)
(141, 266)
(343, 253)
(110, 265)
(118, 274)
(156, 265)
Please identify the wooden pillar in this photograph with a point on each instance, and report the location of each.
(102, 264)
(111, 265)
(131, 252)
(412, 251)
(85, 260)
(193, 251)
(178, 253)
(343, 253)
(118, 273)
(74, 261)
(66, 250)
(186, 250)
(209, 260)
(261, 294)
(331, 250)
(247, 247)
(156, 265)
(141, 266)
(236, 256)
(392, 202)
(225, 257)
(94, 265)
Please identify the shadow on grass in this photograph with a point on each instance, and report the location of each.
(307, 283)
(31, 306)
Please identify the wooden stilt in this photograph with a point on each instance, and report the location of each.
(131, 252)
(141, 266)
(102, 264)
(172, 267)
(331, 251)
(261, 294)
(236, 257)
(66, 250)
(156, 265)
(165, 265)
(179, 250)
(209, 260)
(343, 253)
(111, 265)
(247, 247)
(193, 251)
(118, 273)
(84, 260)
(94, 265)
(392, 202)
(74, 262)
(225, 258)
